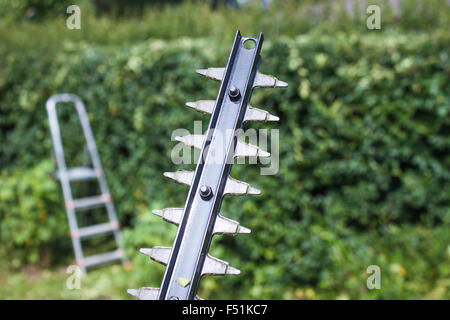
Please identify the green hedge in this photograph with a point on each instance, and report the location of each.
(32, 222)
(364, 153)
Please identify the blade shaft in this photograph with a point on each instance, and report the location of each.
(194, 234)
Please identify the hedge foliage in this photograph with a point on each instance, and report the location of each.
(364, 163)
(30, 214)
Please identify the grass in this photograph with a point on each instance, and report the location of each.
(109, 282)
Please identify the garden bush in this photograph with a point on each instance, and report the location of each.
(364, 163)
(31, 215)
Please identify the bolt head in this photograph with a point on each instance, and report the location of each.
(234, 93)
(206, 192)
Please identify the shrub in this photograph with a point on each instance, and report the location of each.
(31, 214)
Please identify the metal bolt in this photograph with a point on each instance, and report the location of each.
(206, 192)
(234, 93)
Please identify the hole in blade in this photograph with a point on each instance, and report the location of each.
(249, 44)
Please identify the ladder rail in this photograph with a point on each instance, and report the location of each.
(95, 158)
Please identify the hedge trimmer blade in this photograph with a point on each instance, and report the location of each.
(188, 259)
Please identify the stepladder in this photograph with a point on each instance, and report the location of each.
(92, 171)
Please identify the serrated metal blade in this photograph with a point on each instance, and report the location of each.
(158, 254)
(227, 226)
(249, 150)
(144, 293)
(183, 177)
(242, 149)
(222, 226)
(261, 80)
(236, 187)
(232, 187)
(212, 73)
(252, 114)
(255, 114)
(172, 215)
(268, 81)
(214, 266)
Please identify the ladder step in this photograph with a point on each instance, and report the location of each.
(103, 258)
(93, 230)
(90, 202)
(78, 174)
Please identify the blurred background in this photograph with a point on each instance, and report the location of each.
(364, 143)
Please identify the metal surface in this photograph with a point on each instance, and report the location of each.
(223, 225)
(188, 260)
(232, 187)
(66, 175)
(252, 114)
(242, 149)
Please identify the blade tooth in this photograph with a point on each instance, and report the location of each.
(261, 80)
(281, 84)
(255, 114)
(133, 292)
(204, 106)
(192, 140)
(170, 175)
(158, 254)
(203, 72)
(242, 149)
(252, 190)
(233, 186)
(245, 150)
(214, 266)
(158, 212)
(242, 229)
(252, 114)
(262, 153)
(271, 117)
(144, 293)
(249, 150)
(223, 225)
(236, 187)
(172, 215)
(146, 251)
(267, 81)
(183, 177)
(212, 73)
(191, 104)
(227, 226)
(233, 270)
